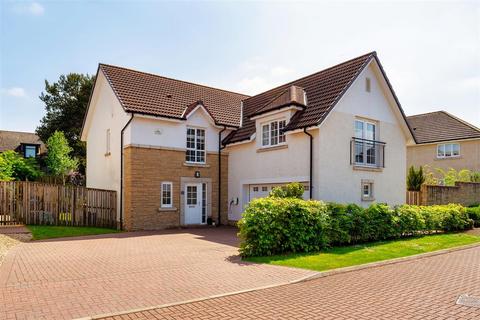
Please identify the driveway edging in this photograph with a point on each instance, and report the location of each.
(319, 274)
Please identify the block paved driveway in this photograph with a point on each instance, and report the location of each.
(77, 277)
(425, 288)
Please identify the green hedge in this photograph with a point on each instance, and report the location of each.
(280, 225)
(474, 214)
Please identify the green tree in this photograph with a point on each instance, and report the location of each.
(415, 178)
(58, 160)
(66, 103)
(14, 167)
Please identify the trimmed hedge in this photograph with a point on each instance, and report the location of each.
(281, 225)
(474, 214)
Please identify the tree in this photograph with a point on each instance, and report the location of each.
(14, 167)
(415, 178)
(58, 160)
(66, 103)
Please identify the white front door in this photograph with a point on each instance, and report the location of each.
(193, 203)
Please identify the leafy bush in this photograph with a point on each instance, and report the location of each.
(474, 214)
(280, 225)
(291, 190)
(439, 176)
(15, 167)
(415, 178)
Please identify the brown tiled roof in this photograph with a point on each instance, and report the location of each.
(293, 95)
(145, 93)
(11, 140)
(323, 90)
(440, 126)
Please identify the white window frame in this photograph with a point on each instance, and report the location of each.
(370, 195)
(267, 136)
(450, 145)
(107, 142)
(195, 147)
(364, 132)
(166, 205)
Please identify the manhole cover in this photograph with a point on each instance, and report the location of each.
(469, 301)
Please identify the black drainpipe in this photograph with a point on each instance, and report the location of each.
(220, 148)
(311, 161)
(121, 170)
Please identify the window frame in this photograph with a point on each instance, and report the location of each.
(25, 146)
(444, 145)
(268, 135)
(365, 156)
(167, 205)
(370, 195)
(195, 148)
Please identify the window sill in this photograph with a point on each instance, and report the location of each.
(167, 209)
(369, 199)
(448, 158)
(272, 148)
(366, 168)
(193, 164)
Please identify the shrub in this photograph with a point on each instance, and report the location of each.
(277, 225)
(15, 167)
(291, 190)
(415, 178)
(280, 225)
(474, 214)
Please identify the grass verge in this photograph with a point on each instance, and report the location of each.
(48, 232)
(339, 257)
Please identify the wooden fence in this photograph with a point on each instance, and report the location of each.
(51, 204)
(414, 197)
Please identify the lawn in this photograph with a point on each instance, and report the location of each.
(339, 257)
(48, 232)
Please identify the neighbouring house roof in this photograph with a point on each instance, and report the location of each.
(323, 90)
(150, 94)
(12, 140)
(440, 126)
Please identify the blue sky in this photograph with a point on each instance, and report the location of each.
(430, 50)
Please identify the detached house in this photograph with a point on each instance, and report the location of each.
(180, 153)
(444, 141)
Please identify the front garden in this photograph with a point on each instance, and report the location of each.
(283, 229)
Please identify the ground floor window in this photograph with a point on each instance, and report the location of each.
(166, 195)
(367, 190)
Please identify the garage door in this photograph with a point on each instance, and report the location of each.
(263, 190)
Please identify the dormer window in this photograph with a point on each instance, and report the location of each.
(272, 133)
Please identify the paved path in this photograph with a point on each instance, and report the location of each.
(77, 277)
(425, 288)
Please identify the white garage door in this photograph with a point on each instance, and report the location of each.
(263, 190)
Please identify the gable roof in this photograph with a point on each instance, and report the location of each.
(149, 94)
(11, 140)
(323, 89)
(441, 126)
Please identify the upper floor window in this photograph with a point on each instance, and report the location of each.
(29, 151)
(448, 150)
(195, 145)
(365, 149)
(272, 133)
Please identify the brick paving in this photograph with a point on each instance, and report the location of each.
(425, 288)
(84, 276)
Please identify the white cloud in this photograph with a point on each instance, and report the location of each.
(33, 8)
(15, 92)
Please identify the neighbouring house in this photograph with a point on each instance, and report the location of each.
(26, 143)
(443, 141)
(180, 153)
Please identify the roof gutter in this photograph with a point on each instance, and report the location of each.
(121, 169)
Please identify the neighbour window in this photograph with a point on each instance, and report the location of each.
(166, 195)
(448, 150)
(272, 133)
(264, 189)
(30, 151)
(367, 190)
(107, 148)
(365, 150)
(255, 189)
(195, 145)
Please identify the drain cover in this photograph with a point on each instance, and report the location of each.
(469, 301)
